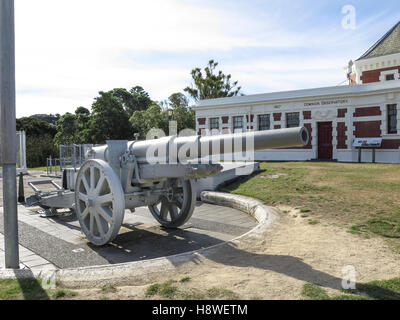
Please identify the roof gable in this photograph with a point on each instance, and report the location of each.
(388, 44)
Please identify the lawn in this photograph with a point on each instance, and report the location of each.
(44, 168)
(374, 290)
(363, 198)
(30, 289)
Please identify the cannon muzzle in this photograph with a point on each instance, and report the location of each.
(255, 140)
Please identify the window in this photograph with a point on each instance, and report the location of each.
(264, 122)
(292, 120)
(237, 122)
(389, 77)
(392, 118)
(214, 123)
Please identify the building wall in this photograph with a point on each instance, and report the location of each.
(378, 75)
(375, 69)
(351, 117)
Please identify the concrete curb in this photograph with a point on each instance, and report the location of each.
(140, 272)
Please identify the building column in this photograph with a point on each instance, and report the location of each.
(334, 139)
(245, 122)
(350, 137)
(314, 132)
(384, 122)
(398, 118)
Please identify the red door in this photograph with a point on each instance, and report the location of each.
(325, 147)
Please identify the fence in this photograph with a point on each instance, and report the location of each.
(21, 153)
(73, 156)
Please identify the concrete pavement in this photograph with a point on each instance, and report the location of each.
(58, 242)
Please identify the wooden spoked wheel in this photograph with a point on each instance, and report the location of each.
(99, 201)
(176, 207)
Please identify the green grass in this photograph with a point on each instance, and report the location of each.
(62, 293)
(374, 290)
(192, 294)
(165, 290)
(109, 288)
(362, 198)
(21, 289)
(314, 292)
(44, 168)
(221, 293)
(384, 227)
(172, 289)
(185, 279)
(153, 289)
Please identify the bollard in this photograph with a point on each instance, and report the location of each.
(21, 193)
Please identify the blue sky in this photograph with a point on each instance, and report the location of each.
(67, 51)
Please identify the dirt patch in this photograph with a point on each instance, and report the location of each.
(276, 264)
(274, 176)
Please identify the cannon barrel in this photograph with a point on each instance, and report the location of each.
(257, 140)
(194, 147)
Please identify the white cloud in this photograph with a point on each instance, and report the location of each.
(68, 50)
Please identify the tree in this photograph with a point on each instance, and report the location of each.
(39, 140)
(71, 127)
(67, 129)
(153, 117)
(136, 99)
(212, 85)
(49, 118)
(108, 121)
(82, 111)
(82, 116)
(181, 112)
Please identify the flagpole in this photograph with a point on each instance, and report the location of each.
(8, 138)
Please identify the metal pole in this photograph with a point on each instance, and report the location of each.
(74, 159)
(8, 137)
(60, 155)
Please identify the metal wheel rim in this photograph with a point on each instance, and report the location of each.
(99, 201)
(177, 212)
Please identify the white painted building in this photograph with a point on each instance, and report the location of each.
(335, 116)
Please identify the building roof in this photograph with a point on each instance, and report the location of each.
(326, 92)
(388, 44)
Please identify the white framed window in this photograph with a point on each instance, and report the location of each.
(264, 122)
(214, 123)
(389, 75)
(238, 122)
(292, 120)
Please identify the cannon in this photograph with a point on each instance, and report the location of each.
(159, 174)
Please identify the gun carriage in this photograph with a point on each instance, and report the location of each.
(159, 174)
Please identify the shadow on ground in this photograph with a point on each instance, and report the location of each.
(155, 242)
(31, 288)
(293, 267)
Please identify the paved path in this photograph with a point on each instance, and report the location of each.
(58, 242)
